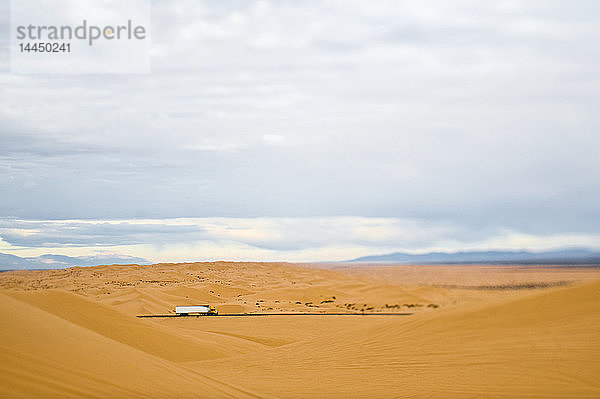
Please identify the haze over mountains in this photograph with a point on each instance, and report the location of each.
(578, 256)
(574, 256)
(13, 262)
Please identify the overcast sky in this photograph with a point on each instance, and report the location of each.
(314, 130)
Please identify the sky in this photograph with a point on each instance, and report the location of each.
(313, 131)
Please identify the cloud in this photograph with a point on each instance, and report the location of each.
(299, 239)
(28, 233)
(467, 119)
(279, 234)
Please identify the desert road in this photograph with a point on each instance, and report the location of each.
(276, 314)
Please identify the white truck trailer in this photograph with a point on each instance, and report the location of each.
(206, 310)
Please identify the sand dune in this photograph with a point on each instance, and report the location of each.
(73, 333)
(534, 346)
(44, 355)
(130, 331)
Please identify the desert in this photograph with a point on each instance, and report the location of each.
(472, 331)
(299, 199)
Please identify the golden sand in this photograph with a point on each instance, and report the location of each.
(475, 331)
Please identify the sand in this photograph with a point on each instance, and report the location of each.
(475, 331)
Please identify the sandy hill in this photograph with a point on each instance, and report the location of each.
(501, 332)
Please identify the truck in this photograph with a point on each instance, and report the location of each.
(205, 310)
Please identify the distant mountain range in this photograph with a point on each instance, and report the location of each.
(13, 262)
(559, 257)
(568, 256)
